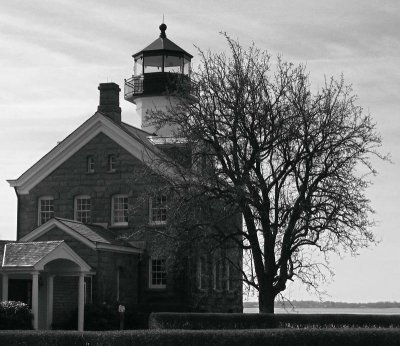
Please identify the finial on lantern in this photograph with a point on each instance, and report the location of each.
(163, 27)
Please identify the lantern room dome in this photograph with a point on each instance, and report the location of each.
(158, 69)
(163, 45)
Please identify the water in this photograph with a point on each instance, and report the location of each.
(364, 311)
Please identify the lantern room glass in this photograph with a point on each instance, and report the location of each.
(138, 68)
(153, 64)
(173, 64)
(186, 66)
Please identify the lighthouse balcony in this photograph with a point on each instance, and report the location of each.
(133, 87)
(159, 83)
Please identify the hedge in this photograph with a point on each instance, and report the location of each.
(200, 321)
(274, 337)
(15, 315)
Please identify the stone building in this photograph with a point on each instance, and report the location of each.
(75, 210)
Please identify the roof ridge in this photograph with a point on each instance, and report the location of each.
(36, 242)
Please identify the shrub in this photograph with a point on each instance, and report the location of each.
(261, 321)
(15, 315)
(276, 337)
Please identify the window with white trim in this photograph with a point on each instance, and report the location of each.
(158, 210)
(201, 273)
(119, 210)
(90, 164)
(45, 209)
(112, 163)
(157, 273)
(82, 209)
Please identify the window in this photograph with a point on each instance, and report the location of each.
(111, 163)
(157, 273)
(45, 209)
(90, 164)
(173, 64)
(158, 210)
(82, 209)
(228, 276)
(153, 64)
(201, 273)
(119, 210)
(217, 274)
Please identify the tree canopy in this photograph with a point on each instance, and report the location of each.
(293, 161)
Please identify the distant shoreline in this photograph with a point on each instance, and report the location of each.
(304, 304)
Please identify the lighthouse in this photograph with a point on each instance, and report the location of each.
(158, 70)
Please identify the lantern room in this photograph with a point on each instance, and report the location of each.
(157, 68)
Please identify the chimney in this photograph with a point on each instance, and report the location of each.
(109, 101)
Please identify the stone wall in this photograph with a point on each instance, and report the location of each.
(71, 179)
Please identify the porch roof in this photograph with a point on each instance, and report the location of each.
(94, 236)
(33, 256)
(27, 254)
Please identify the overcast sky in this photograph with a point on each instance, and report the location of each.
(55, 53)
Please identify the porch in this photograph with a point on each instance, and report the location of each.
(30, 270)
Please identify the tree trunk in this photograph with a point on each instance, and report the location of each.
(266, 301)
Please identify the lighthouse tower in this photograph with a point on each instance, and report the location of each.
(157, 70)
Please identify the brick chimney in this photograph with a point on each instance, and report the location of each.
(109, 101)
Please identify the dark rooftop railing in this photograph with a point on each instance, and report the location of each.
(133, 86)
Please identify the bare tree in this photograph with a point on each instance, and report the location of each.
(295, 163)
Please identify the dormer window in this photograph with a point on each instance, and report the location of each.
(90, 164)
(112, 163)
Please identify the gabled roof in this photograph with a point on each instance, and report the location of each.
(34, 256)
(130, 138)
(94, 233)
(27, 254)
(93, 236)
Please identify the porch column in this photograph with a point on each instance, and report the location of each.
(81, 301)
(35, 299)
(4, 287)
(50, 294)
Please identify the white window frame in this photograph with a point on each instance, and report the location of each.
(40, 211)
(113, 210)
(90, 164)
(155, 285)
(153, 208)
(87, 211)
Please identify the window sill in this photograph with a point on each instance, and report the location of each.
(158, 289)
(122, 225)
(157, 224)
